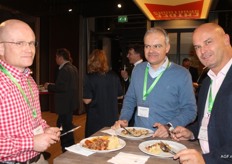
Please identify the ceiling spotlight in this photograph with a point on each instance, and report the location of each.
(119, 5)
(108, 28)
(69, 10)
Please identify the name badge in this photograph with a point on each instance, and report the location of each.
(143, 111)
(203, 133)
(38, 130)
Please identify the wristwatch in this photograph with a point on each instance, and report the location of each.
(170, 127)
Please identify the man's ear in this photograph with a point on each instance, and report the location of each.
(2, 50)
(168, 46)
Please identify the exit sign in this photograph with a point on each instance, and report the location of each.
(122, 19)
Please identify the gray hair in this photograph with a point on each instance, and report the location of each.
(158, 30)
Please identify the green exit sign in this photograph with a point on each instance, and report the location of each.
(122, 19)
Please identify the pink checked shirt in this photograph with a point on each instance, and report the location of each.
(16, 119)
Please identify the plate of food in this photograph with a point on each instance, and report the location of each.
(102, 144)
(152, 147)
(136, 133)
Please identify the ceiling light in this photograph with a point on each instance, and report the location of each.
(119, 5)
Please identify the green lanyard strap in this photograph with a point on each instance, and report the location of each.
(211, 99)
(7, 73)
(145, 91)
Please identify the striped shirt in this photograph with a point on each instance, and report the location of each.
(16, 119)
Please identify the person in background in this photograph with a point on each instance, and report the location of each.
(66, 94)
(213, 127)
(135, 56)
(23, 133)
(102, 89)
(161, 90)
(193, 71)
(202, 76)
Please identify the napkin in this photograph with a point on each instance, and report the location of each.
(109, 131)
(122, 158)
(79, 150)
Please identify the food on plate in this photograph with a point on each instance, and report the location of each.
(113, 143)
(135, 132)
(102, 143)
(155, 148)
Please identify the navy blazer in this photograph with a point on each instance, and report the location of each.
(220, 123)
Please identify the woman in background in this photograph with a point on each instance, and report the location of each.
(102, 89)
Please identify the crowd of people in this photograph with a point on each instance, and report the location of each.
(159, 97)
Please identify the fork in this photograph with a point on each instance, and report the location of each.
(130, 132)
(165, 148)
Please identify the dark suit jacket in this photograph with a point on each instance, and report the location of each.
(66, 89)
(220, 123)
(194, 73)
(127, 82)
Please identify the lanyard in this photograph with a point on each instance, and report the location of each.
(211, 99)
(145, 91)
(6, 72)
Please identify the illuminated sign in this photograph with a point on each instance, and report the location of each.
(174, 9)
(122, 19)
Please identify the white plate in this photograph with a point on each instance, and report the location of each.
(119, 133)
(175, 146)
(122, 145)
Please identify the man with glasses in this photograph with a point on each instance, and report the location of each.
(23, 133)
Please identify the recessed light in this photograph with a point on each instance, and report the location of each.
(119, 5)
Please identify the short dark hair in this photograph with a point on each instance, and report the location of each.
(185, 60)
(64, 53)
(138, 48)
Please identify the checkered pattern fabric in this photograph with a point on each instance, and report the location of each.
(16, 119)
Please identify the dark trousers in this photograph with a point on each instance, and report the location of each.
(65, 120)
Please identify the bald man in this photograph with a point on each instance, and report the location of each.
(213, 128)
(23, 133)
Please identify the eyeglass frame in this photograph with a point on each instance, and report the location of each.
(23, 43)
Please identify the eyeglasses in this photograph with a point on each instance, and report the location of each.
(23, 43)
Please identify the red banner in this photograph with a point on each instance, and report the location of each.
(185, 11)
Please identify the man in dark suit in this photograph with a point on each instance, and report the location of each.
(214, 125)
(135, 56)
(193, 71)
(66, 94)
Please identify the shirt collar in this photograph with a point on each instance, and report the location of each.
(139, 61)
(154, 73)
(163, 66)
(222, 72)
(61, 66)
(15, 72)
